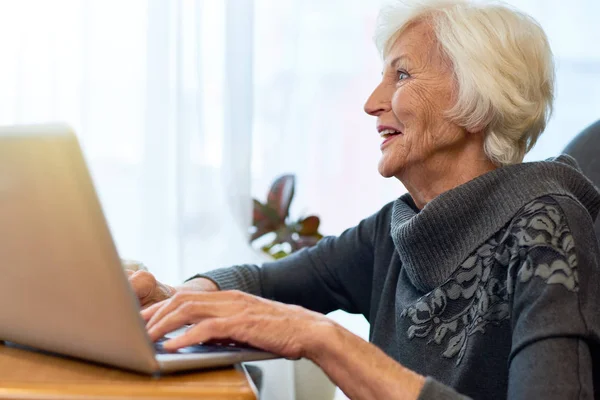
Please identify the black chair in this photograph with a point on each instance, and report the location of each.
(585, 148)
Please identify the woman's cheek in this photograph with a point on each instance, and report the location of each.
(401, 101)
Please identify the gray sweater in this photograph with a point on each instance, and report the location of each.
(491, 290)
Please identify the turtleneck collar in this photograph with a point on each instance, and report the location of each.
(432, 242)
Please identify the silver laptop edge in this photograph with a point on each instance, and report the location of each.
(62, 287)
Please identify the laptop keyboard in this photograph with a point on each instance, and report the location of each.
(217, 347)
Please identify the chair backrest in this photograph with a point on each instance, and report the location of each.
(585, 148)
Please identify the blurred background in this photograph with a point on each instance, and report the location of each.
(188, 108)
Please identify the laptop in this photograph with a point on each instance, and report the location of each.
(62, 286)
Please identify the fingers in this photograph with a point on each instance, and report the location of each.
(176, 319)
(191, 307)
(148, 312)
(214, 304)
(236, 316)
(214, 328)
(143, 284)
(167, 307)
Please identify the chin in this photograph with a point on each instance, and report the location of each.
(388, 171)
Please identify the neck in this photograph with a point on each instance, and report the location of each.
(444, 172)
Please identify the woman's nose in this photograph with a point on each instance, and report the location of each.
(379, 102)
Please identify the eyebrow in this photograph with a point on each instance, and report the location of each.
(395, 61)
(401, 57)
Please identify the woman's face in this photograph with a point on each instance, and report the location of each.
(416, 89)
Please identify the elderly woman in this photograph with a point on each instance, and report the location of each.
(482, 281)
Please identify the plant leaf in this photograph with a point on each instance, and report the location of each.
(309, 226)
(281, 194)
(264, 220)
(258, 212)
(262, 213)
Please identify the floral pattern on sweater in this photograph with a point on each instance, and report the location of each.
(537, 243)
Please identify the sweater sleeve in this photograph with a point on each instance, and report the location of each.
(334, 274)
(555, 292)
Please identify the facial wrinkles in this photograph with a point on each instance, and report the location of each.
(431, 81)
(417, 103)
(413, 102)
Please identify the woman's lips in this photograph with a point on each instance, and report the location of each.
(389, 139)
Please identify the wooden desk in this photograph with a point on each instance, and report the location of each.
(31, 375)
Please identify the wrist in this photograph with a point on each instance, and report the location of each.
(198, 284)
(168, 290)
(354, 365)
(322, 340)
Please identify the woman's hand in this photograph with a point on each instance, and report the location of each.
(283, 329)
(149, 291)
(362, 370)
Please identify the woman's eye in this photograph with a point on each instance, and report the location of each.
(402, 75)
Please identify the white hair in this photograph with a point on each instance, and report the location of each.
(502, 64)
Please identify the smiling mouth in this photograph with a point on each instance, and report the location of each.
(388, 134)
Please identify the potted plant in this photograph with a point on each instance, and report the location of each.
(288, 235)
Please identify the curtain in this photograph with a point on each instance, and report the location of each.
(160, 94)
